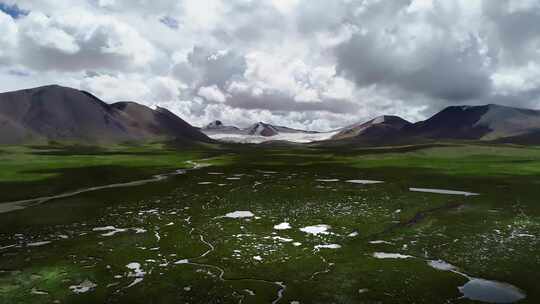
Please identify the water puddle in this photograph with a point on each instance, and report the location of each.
(491, 291)
(482, 290)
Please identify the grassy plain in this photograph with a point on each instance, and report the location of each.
(174, 230)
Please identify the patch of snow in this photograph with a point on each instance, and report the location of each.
(441, 265)
(136, 269)
(362, 290)
(37, 244)
(380, 242)
(84, 287)
(257, 258)
(183, 261)
(316, 229)
(249, 292)
(282, 226)
(282, 239)
(353, 234)
(443, 191)
(112, 230)
(327, 246)
(363, 181)
(327, 180)
(299, 137)
(139, 230)
(384, 255)
(239, 214)
(378, 120)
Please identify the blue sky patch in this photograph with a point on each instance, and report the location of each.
(169, 21)
(13, 10)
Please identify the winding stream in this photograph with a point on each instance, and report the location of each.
(282, 287)
(22, 204)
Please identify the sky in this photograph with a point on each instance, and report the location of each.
(313, 64)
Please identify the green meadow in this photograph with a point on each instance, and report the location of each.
(270, 224)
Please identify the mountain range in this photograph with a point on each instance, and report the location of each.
(55, 113)
(257, 129)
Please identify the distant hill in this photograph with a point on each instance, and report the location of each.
(375, 129)
(490, 122)
(218, 127)
(256, 129)
(55, 113)
(262, 129)
(487, 123)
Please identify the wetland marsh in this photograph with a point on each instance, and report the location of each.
(433, 224)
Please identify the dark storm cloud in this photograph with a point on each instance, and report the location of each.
(441, 72)
(420, 58)
(277, 101)
(515, 29)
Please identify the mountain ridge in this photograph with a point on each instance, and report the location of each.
(56, 113)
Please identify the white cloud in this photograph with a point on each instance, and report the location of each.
(134, 87)
(45, 32)
(303, 63)
(212, 93)
(510, 81)
(8, 34)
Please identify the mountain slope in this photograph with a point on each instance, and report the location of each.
(218, 126)
(262, 129)
(65, 114)
(488, 122)
(378, 128)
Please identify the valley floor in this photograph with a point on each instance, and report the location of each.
(260, 224)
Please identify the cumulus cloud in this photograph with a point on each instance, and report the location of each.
(212, 93)
(303, 63)
(8, 35)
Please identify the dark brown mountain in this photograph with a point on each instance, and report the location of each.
(55, 113)
(378, 129)
(487, 123)
(493, 123)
